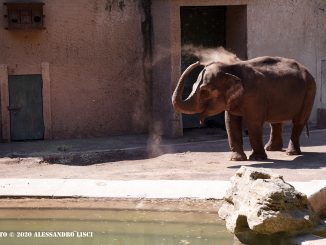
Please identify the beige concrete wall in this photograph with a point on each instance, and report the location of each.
(289, 28)
(95, 53)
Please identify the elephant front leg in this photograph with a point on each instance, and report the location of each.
(234, 129)
(275, 142)
(256, 141)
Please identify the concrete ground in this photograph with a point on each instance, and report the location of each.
(199, 156)
(194, 166)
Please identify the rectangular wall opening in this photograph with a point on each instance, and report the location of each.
(210, 27)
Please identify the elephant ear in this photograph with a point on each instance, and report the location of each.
(234, 91)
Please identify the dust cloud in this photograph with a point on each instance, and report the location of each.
(209, 55)
(154, 141)
(155, 144)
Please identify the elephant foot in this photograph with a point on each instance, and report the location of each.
(236, 156)
(274, 146)
(258, 156)
(293, 152)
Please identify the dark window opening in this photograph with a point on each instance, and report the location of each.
(24, 16)
(37, 19)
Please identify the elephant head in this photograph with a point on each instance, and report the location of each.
(214, 92)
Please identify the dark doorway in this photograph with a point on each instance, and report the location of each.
(210, 27)
(204, 27)
(26, 107)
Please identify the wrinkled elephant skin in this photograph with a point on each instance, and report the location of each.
(264, 89)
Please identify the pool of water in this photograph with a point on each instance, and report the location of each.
(105, 226)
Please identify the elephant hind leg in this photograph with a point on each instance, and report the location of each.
(297, 128)
(294, 144)
(302, 118)
(275, 142)
(256, 141)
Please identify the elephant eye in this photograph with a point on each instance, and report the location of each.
(204, 94)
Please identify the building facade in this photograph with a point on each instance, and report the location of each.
(290, 28)
(108, 67)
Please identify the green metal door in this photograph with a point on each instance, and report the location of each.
(26, 107)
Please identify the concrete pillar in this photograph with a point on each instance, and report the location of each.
(45, 69)
(5, 116)
(165, 120)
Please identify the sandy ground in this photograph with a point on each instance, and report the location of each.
(203, 160)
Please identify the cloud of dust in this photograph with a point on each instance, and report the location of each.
(209, 55)
(205, 55)
(160, 54)
(155, 145)
(154, 142)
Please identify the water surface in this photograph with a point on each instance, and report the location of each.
(105, 226)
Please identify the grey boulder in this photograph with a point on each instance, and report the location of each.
(261, 201)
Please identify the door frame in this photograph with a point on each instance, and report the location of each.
(44, 70)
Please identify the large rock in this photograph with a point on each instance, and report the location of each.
(318, 202)
(261, 201)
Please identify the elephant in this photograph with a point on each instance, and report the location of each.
(263, 89)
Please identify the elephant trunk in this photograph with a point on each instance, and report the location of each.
(191, 104)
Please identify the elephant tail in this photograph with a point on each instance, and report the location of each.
(307, 130)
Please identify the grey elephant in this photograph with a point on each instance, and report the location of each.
(264, 89)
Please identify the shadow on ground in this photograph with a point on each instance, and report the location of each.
(308, 160)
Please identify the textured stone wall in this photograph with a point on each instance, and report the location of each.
(95, 48)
